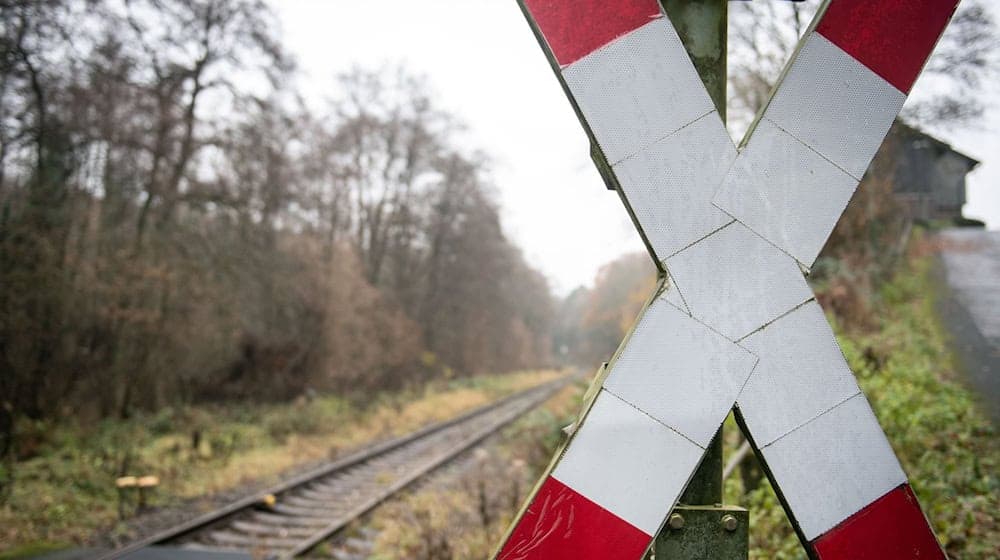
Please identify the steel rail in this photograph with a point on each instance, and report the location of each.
(428, 466)
(532, 396)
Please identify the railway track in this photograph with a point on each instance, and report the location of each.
(290, 519)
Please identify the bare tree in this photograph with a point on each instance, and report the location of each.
(175, 225)
(763, 35)
(387, 136)
(188, 54)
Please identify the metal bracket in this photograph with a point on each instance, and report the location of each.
(704, 533)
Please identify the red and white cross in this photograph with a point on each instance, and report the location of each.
(736, 323)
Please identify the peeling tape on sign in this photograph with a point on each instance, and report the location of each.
(561, 523)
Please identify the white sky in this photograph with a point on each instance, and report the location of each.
(482, 61)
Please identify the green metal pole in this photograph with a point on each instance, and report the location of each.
(702, 26)
(701, 528)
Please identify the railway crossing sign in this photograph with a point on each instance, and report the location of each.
(733, 325)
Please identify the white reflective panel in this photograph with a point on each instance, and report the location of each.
(670, 184)
(680, 372)
(628, 463)
(673, 295)
(786, 192)
(835, 105)
(801, 374)
(736, 282)
(832, 467)
(637, 89)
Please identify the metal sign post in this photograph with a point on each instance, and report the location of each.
(700, 527)
(732, 325)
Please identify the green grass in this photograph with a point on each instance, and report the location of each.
(32, 550)
(67, 492)
(945, 443)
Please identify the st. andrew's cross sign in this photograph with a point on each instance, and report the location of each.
(733, 322)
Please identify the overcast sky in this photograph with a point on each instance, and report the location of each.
(485, 67)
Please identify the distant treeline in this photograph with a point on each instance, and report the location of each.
(176, 226)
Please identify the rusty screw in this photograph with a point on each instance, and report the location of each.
(676, 521)
(729, 522)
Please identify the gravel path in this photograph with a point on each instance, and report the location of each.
(970, 307)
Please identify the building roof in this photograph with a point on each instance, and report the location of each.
(943, 146)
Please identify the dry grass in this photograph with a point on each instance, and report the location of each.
(66, 493)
